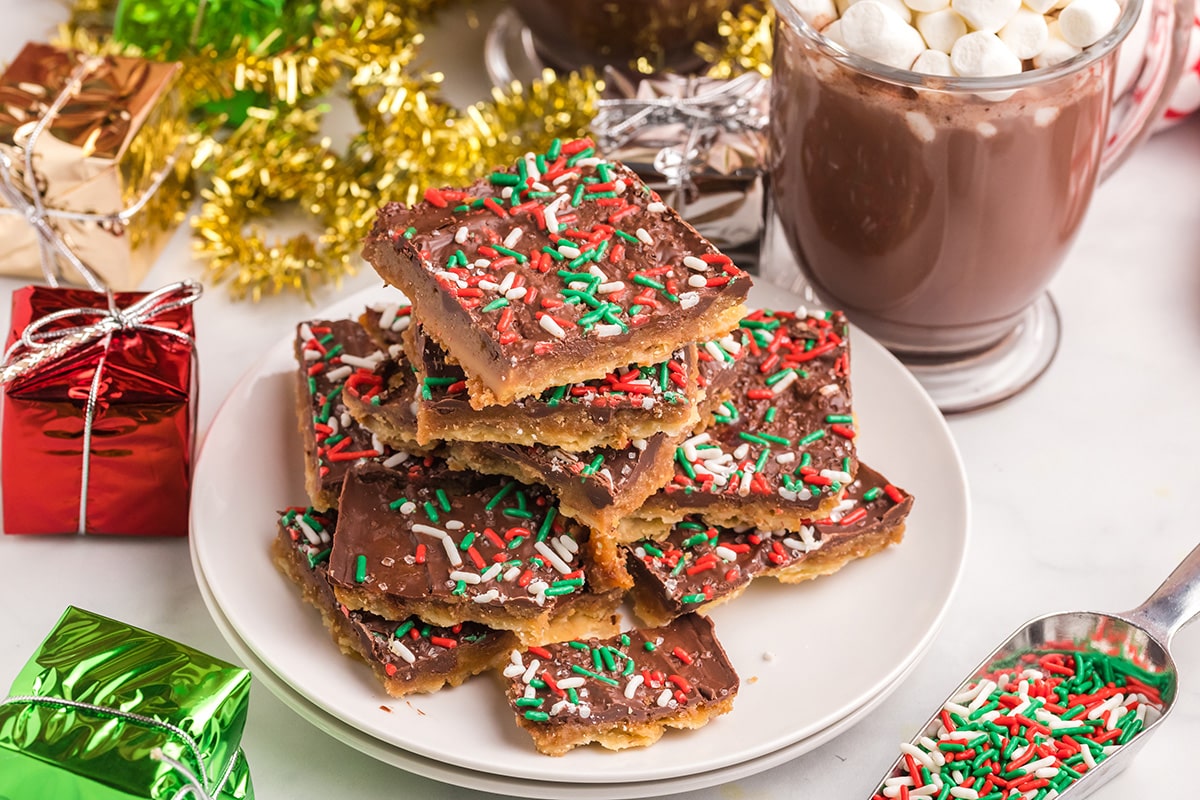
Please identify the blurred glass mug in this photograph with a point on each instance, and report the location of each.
(935, 210)
(657, 34)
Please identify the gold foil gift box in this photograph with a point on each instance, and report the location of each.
(96, 147)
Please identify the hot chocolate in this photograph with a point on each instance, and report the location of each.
(934, 218)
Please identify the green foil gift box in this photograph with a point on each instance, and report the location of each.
(105, 711)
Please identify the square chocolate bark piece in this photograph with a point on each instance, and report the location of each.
(337, 364)
(561, 268)
(407, 656)
(629, 403)
(598, 487)
(453, 547)
(699, 566)
(780, 449)
(624, 691)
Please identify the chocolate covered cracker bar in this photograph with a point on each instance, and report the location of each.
(559, 269)
(408, 656)
(452, 547)
(337, 361)
(623, 691)
(698, 566)
(629, 403)
(780, 449)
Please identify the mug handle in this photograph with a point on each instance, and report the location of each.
(1140, 105)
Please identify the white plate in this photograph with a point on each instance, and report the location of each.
(543, 790)
(808, 655)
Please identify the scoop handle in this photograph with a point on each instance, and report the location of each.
(1174, 604)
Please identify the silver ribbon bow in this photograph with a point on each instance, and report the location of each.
(38, 346)
(706, 107)
(195, 786)
(31, 205)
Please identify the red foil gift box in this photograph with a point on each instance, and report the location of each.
(132, 372)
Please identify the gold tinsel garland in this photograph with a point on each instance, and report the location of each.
(410, 138)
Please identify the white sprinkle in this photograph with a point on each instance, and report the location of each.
(513, 237)
(610, 287)
(644, 237)
(631, 686)
(507, 283)
(587, 162)
(552, 557)
(917, 753)
(481, 263)
(795, 544)
(741, 451)
(571, 683)
(306, 334)
(569, 251)
(963, 793)
(663, 698)
(516, 294)
(454, 525)
(531, 671)
(460, 235)
(566, 176)
(725, 554)
(697, 264)
(550, 326)
(570, 544)
(340, 374)
(747, 477)
(512, 574)
(513, 670)
(837, 475)
(715, 351)
(697, 282)
(395, 460)
(656, 207)
(312, 355)
(784, 383)
(488, 286)
(397, 647)
(689, 299)
(451, 551)
(563, 552)
(619, 186)
(465, 577)
(785, 458)
(506, 192)
(640, 444)
(310, 534)
(605, 331)
(408, 508)
(491, 572)
(490, 596)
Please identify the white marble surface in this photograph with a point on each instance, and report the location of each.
(1079, 488)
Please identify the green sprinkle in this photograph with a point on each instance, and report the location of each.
(578, 670)
(467, 541)
(556, 591)
(555, 149)
(500, 495)
(606, 655)
(504, 179)
(839, 418)
(761, 461)
(520, 257)
(528, 702)
(579, 646)
(816, 435)
(459, 588)
(431, 512)
(537, 716)
(360, 568)
(652, 550)
(751, 437)
(692, 541)
(498, 303)
(595, 464)
(557, 256)
(410, 232)
(443, 500)
(518, 513)
(544, 529)
(650, 647)
(404, 628)
(582, 154)
(770, 437)
(776, 377)
(642, 280)
(395, 504)
(770, 415)
(577, 196)
(629, 237)
(573, 695)
(692, 598)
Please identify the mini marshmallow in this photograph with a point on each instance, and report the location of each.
(833, 32)
(1041, 6)
(1085, 22)
(933, 62)
(817, 13)
(901, 9)
(1025, 34)
(941, 29)
(925, 6)
(983, 55)
(1057, 49)
(875, 31)
(986, 16)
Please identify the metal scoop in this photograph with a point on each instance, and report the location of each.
(1143, 636)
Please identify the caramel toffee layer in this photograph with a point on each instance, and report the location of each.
(337, 358)
(409, 651)
(785, 435)
(699, 564)
(640, 676)
(458, 538)
(561, 259)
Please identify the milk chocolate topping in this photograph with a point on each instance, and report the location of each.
(457, 537)
(612, 271)
(406, 648)
(682, 661)
(786, 435)
(697, 563)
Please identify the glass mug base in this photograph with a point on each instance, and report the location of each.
(983, 378)
(509, 53)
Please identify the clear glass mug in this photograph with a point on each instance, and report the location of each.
(935, 210)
